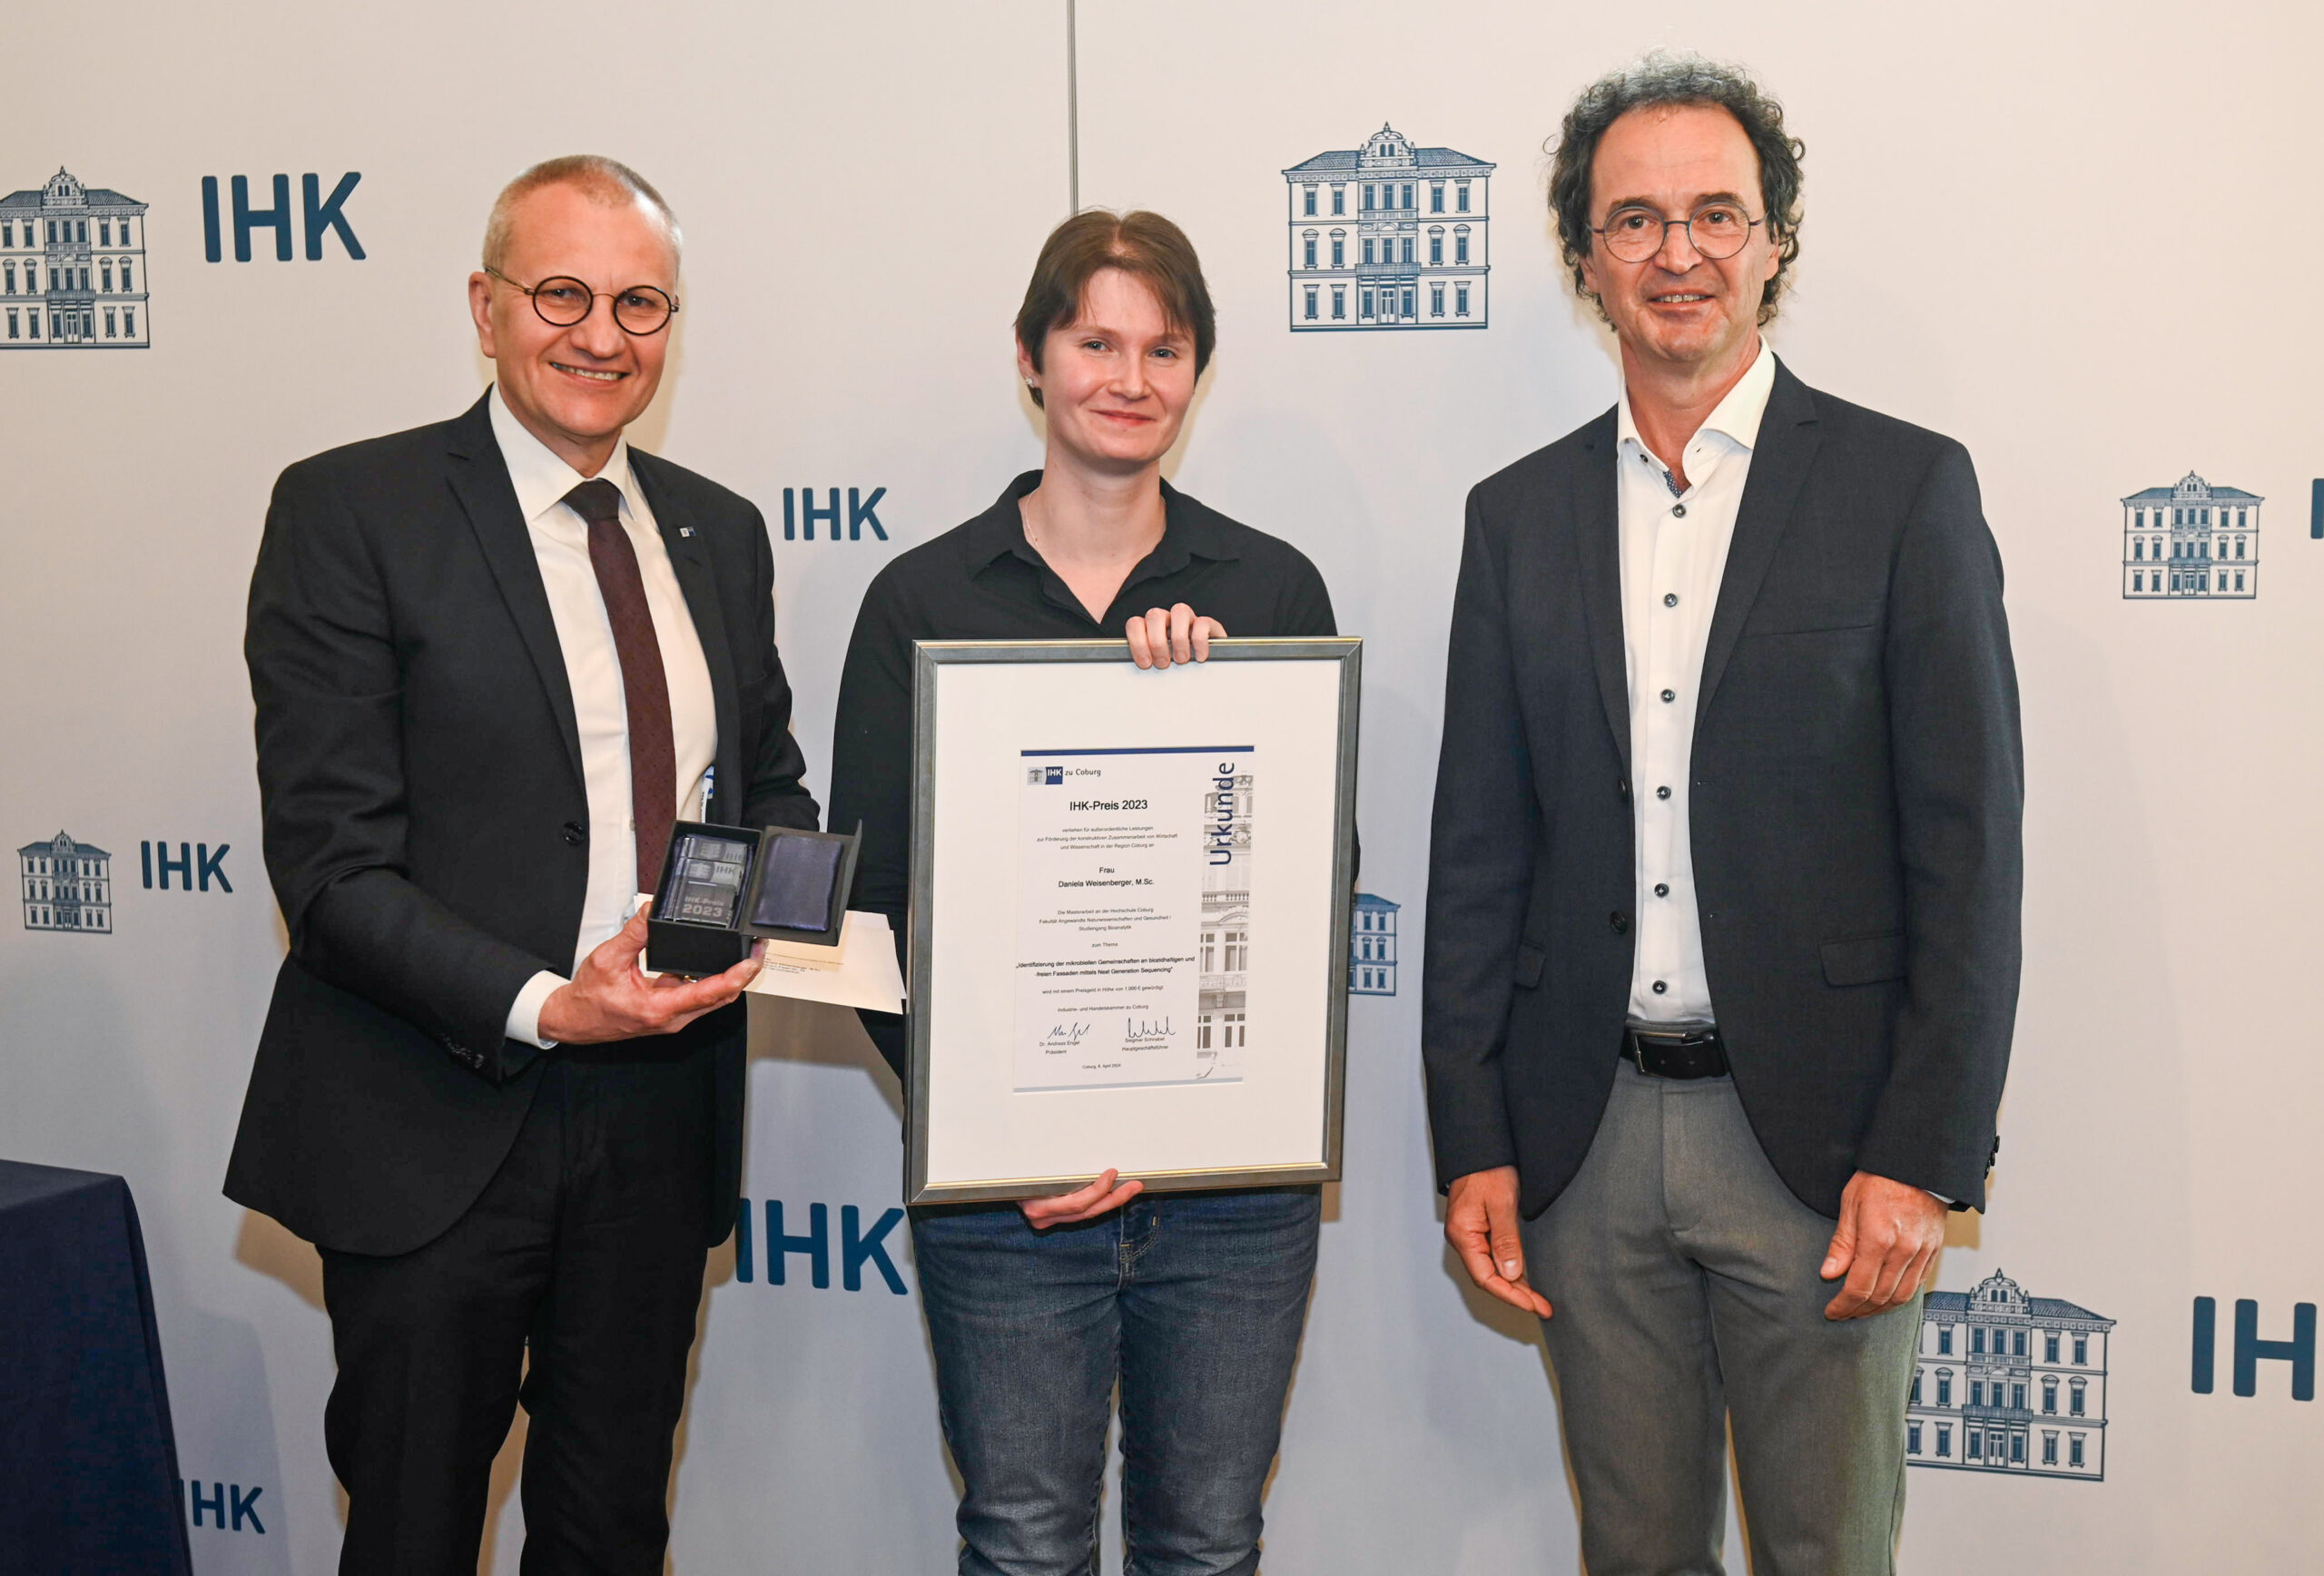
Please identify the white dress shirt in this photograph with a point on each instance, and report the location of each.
(593, 669)
(1674, 556)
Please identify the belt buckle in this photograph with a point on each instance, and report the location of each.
(1653, 1046)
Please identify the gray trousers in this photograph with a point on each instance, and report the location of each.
(1683, 1275)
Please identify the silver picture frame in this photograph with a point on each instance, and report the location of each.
(1331, 982)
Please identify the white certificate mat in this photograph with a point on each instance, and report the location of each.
(1090, 988)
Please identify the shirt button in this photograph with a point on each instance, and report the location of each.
(1679, 510)
(1662, 793)
(1661, 889)
(1669, 695)
(1660, 988)
(1670, 599)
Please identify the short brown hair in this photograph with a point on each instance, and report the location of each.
(608, 181)
(1146, 247)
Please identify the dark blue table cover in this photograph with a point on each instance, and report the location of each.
(89, 1464)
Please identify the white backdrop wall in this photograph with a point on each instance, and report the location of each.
(2075, 236)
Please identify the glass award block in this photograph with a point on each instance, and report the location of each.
(706, 888)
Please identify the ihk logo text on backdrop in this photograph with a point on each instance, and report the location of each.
(859, 1249)
(322, 216)
(66, 885)
(222, 1501)
(2248, 1351)
(800, 510)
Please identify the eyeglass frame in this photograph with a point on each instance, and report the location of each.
(532, 293)
(1687, 224)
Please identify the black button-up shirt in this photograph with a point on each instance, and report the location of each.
(983, 581)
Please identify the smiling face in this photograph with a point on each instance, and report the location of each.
(1677, 307)
(1116, 380)
(575, 389)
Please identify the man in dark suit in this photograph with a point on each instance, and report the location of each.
(493, 660)
(1722, 947)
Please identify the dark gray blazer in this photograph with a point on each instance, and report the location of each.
(1858, 789)
(427, 826)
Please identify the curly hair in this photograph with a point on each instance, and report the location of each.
(1667, 79)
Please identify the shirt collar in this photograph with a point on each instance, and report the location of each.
(541, 476)
(1736, 418)
(1188, 532)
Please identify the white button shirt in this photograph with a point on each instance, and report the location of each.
(593, 669)
(1674, 556)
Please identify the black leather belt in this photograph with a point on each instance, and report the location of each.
(1690, 1053)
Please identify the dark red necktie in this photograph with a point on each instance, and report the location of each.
(645, 689)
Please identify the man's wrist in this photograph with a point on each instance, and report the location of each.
(525, 1012)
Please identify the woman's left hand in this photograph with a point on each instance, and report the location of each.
(1175, 635)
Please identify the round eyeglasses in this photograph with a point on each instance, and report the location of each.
(1715, 230)
(562, 302)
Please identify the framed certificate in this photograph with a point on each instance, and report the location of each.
(1130, 902)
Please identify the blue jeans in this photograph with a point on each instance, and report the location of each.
(1193, 1301)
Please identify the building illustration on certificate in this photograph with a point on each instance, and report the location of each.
(1221, 1023)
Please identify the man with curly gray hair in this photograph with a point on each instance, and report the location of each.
(1723, 916)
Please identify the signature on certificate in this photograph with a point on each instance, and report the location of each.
(1065, 1034)
(1147, 1029)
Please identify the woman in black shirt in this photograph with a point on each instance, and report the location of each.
(1191, 1301)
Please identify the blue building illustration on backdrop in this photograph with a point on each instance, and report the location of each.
(1389, 236)
(1371, 947)
(67, 886)
(2192, 539)
(72, 269)
(2005, 1382)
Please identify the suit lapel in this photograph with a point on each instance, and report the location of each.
(1779, 466)
(690, 558)
(479, 479)
(1597, 521)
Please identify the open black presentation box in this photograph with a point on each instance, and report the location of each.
(724, 887)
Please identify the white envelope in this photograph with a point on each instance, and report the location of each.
(868, 974)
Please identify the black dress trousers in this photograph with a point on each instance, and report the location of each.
(586, 1249)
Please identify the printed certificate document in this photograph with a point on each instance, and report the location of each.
(1133, 915)
(1084, 982)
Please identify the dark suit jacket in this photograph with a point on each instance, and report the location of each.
(419, 772)
(1858, 784)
